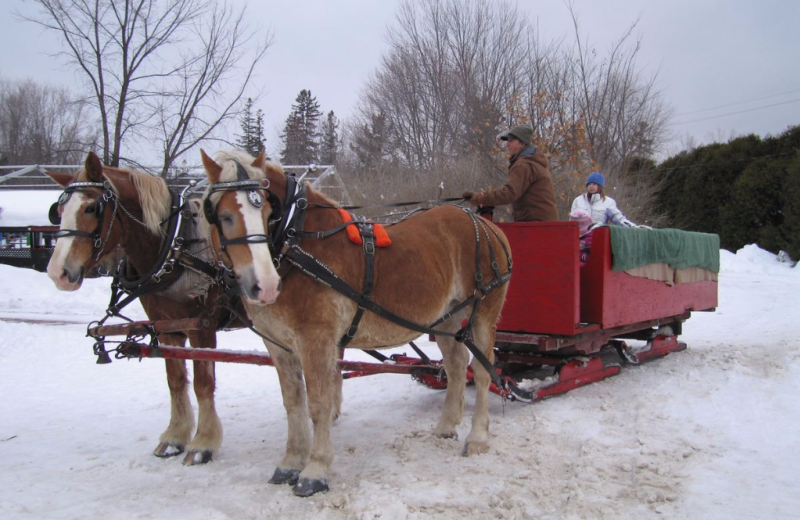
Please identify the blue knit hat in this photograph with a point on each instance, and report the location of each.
(596, 178)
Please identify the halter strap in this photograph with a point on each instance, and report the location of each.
(98, 243)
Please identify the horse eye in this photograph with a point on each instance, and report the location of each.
(89, 210)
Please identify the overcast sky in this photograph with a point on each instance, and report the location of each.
(727, 67)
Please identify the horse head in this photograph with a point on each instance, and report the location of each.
(240, 204)
(90, 224)
(82, 213)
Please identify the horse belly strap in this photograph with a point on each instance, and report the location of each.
(354, 233)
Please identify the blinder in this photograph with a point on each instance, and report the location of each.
(252, 186)
(55, 217)
(98, 209)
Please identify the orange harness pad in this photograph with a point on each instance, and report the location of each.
(381, 236)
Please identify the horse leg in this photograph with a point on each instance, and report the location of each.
(455, 358)
(208, 437)
(322, 379)
(293, 391)
(337, 396)
(478, 439)
(181, 422)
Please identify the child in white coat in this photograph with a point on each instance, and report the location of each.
(601, 208)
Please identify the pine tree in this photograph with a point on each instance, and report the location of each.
(371, 141)
(252, 138)
(329, 143)
(300, 135)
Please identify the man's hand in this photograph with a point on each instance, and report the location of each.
(471, 197)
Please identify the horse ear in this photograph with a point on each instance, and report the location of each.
(260, 160)
(62, 179)
(213, 170)
(94, 168)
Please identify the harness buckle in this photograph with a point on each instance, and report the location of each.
(480, 290)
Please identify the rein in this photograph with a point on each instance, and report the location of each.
(285, 244)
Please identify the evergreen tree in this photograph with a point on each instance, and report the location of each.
(370, 142)
(300, 135)
(746, 190)
(791, 208)
(251, 139)
(753, 213)
(329, 139)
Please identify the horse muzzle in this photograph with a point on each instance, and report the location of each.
(260, 291)
(66, 279)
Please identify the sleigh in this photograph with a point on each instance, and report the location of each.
(563, 325)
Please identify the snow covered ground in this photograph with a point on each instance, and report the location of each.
(709, 433)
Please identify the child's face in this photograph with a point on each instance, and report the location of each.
(592, 187)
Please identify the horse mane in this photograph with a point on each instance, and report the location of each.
(227, 159)
(154, 197)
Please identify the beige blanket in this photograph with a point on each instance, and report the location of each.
(664, 273)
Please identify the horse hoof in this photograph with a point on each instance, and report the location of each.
(285, 476)
(475, 448)
(306, 487)
(165, 450)
(197, 457)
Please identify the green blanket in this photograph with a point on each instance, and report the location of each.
(635, 247)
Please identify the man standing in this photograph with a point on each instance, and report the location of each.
(529, 187)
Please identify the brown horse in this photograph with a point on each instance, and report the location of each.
(437, 260)
(129, 212)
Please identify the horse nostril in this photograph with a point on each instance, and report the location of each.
(255, 289)
(280, 285)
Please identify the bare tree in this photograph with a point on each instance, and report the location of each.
(176, 69)
(459, 72)
(443, 84)
(622, 112)
(42, 125)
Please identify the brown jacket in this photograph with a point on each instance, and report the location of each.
(529, 189)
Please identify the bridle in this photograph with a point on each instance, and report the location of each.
(108, 196)
(283, 240)
(283, 222)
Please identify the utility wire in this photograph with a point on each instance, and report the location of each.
(729, 159)
(737, 103)
(737, 112)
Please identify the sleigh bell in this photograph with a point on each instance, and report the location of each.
(102, 356)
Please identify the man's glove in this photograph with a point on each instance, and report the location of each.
(485, 210)
(471, 197)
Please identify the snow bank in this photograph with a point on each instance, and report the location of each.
(753, 260)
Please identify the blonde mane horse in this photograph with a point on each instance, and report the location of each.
(128, 212)
(426, 272)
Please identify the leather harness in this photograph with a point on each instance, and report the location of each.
(285, 232)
